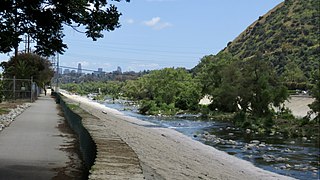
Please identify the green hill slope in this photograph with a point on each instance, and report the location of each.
(278, 52)
(288, 33)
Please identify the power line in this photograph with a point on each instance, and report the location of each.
(73, 68)
(112, 45)
(126, 59)
(151, 53)
(130, 48)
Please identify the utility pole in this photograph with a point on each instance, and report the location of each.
(27, 41)
(28, 44)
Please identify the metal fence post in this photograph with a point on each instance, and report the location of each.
(14, 88)
(31, 91)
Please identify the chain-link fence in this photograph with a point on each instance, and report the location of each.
(13, 89)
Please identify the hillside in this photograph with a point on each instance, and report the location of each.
(287, 33)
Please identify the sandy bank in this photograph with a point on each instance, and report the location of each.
(168, 154)
(299, 105)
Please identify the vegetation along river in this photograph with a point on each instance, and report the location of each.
(296, 157)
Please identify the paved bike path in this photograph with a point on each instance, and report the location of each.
(30, 146)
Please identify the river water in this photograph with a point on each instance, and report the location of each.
(298, 158)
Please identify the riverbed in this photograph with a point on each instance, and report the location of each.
(296, 157)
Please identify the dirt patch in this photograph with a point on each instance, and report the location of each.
(74, 168)
(6, 106)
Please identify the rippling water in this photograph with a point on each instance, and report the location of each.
(298, 158)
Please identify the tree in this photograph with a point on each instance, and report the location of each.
(112, 88)
(176, 86)
(189, 97)
(250, 85)
(165, 90)
(260, 87)
(225, 97)
(208, 71)
(315, 105)
(292, 73)
(25, 66)
(43, 20)
(135, 89)
(218, 75)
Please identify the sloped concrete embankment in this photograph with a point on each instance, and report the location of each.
(105, 154)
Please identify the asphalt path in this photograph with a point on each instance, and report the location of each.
(30, 148)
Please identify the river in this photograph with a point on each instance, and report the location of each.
(295, 157)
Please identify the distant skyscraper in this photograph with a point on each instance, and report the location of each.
(99, 72)
(79, 69)
(66, 71)
(119, 71)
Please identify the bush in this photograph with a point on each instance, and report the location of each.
(205, 111)
(146, 107)
(167, 109)
(268, 122)
(149, 107)
(240, 119)
(285, 114)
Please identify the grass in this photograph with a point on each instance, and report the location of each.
(4, 111)
(73, 106)
(6, 106)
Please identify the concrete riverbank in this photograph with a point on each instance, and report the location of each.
(162, 153)
(105, 154)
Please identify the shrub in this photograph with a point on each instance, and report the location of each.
(146, 107)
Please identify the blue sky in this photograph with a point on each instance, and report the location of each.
(163, 33)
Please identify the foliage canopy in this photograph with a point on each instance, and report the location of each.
(166, 88)
(248, 86)
(25, 66)
(43, 20)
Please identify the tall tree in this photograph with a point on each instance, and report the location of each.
(260, 87)
(25, 66)
(292, 73)
(247, 85)
(43, 20)
(208, 71)
(168, 87)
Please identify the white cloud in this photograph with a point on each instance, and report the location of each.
(156, 23)
(162, 25)
(153, 22)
